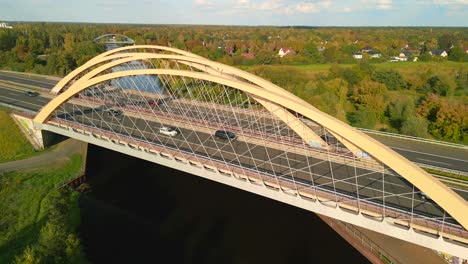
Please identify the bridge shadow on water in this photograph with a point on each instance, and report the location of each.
(139, 212)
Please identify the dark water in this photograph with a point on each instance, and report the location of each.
(139, 212)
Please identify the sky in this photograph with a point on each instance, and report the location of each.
(243, 12)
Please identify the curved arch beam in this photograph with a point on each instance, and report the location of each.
(106, 56)
(441, 194)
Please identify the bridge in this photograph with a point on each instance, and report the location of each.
(285, 149)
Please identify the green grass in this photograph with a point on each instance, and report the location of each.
(24, 201)
(13, 144)
(447, 174)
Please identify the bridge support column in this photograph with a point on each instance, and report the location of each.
(34, 135)
(39, 138)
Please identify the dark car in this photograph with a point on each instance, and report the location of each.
(223, 134)
(114, 112)
(32, 94)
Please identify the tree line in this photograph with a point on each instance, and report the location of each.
(428, 101)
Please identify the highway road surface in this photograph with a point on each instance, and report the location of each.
(418, 152)
(282, 163)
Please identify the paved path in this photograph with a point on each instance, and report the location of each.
(63, 150)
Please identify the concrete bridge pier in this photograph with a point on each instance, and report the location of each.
(40, 139)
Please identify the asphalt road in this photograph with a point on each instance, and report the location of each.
(38, 82)
(281, 163)
(419, 152)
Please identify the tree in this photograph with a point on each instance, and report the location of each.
(351, 76)
(391, 78)
(414, 126)
(311, 53)
(446, 120)
(436, 85)
(446, 41)
(29, 256)
(364, 117)
(400, 111)
(458, 54)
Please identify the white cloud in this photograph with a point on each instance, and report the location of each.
(282, 6)
(306, 8)
(203, 3)
(445, 2)
(243, 2)
(268, 5)
(378, 4)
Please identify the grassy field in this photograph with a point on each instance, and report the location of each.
(24, 201)
(384, 65)
(13, 144)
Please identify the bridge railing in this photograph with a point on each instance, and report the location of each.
(289, 185)
(424, 140)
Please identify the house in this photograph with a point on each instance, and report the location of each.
(374, 54)
(5, 25)
(366, 49)
(441, 53)
(414, 52)
(284, 51)
(357, 55)
(320, 48)
(249, 56)
(404, 55)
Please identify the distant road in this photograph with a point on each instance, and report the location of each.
(418, 152)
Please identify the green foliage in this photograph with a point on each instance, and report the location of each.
(369, 94)
(351, 76)
(364, 117)
(33, 213)
(13, 144)
(311, 53)
(425, 57)
(436, 85)
(447, 121)
(285, 76)
(391, 78)
(414, 126)
(458, 54)
(400, 111)
(7, 40)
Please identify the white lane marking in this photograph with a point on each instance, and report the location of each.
(24, 102)
(387, 182)
(435, 161)
(429, 154)
(26, 79)
(456, 189)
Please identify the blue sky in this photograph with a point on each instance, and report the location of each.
(243, 12)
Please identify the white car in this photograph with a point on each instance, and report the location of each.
(168, 131)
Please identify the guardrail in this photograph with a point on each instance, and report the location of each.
(456, 172)
(402, 217)
(424, 140)
(19, 108)
(375, 249)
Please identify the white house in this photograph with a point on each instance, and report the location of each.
(357, 56)
(284, 51)
(441, 53)
(374, 54)
(5, 25)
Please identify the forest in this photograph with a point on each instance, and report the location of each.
(425, 95)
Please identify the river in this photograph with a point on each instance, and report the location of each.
(140, 212)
